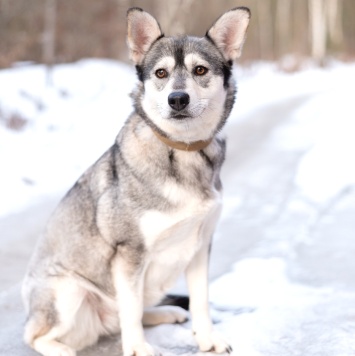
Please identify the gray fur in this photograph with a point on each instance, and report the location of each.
(98, 219)
(177, 48)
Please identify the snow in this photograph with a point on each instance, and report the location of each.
(332, 154)
(256, 305)
(261, 285)
(70, 124)
(261, 312)
(326, 123)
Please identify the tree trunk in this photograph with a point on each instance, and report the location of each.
(334, 14)
(172, 15)
(317, 20)
(264, 14)
(48, 49)
(283, 16)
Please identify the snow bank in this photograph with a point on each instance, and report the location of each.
(71, 123)
(277, 317)
(323, 127)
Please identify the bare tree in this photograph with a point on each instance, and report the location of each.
(334, 17)
(48, 48)
(264, 16)
(121, 10)
(172, 16)
(48, 31)
(318, 29)
(282, 33)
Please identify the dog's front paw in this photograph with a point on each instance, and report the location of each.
(143, 349)
(212, 342)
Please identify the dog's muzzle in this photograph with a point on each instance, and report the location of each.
(178, 100)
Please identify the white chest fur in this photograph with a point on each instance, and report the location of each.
(173, 237)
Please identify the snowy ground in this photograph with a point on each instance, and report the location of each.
(283, 271)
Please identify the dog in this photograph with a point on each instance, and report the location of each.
(146, 211)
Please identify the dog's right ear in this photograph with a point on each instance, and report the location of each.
(143, 30)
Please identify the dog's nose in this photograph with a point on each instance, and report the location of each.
(178, 100)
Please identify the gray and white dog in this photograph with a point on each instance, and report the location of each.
(146, 210)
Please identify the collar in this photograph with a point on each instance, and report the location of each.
(183, 146)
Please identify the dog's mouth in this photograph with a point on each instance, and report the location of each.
(180, 116)
(189, 113)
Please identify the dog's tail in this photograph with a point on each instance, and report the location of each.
(182, 301)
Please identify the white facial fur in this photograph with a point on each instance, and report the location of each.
(206, 104)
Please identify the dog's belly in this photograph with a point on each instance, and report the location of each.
(172, 240)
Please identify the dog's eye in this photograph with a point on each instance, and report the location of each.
(200, 70)
(161, 73)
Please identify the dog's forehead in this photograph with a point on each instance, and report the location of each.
(182, 49)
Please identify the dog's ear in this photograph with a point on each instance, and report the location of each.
(228, 32)
(143, 29)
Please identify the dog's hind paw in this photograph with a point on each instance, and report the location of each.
(166, 314)
(213, 343)
(65, 351)
(52, 348)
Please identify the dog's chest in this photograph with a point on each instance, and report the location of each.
(164, 229)
(173, 237)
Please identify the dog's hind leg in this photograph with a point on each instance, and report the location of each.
(165, 314)
(41, 334)
(53, 327)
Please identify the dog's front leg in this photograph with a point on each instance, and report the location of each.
(129, 284)
(197, 281)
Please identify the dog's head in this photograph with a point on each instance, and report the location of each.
(186, 90)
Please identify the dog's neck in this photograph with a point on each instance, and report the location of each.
(183, 146)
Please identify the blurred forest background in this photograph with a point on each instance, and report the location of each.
(57, 31)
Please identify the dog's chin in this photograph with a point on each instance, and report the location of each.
(184, 126)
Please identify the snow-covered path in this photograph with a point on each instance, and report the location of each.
(283, 266)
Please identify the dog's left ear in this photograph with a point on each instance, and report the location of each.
(228, 32)
(143, 29)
